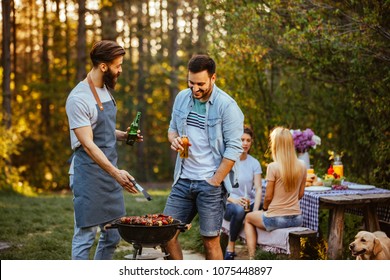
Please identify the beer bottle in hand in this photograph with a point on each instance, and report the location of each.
(134, 127)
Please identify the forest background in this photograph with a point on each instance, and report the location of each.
(323, 65)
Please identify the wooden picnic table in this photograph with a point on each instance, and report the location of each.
(337, 205)
(374, 203)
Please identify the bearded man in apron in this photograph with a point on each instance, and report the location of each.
(95, 180)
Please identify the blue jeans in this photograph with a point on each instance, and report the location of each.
(190, 197)
(84, 238)
(271, 223)
(235, 214)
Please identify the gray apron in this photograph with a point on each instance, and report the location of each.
(98, 198)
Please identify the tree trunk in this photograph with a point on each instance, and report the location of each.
(108, 17)
(14, 53)
(173, 59)
(201, 44)
(67, 40)
(29, 68)
(81, 43)
(141, 85)
(45, 72)
(6, 64)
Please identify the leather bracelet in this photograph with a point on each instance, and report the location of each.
(264, 209)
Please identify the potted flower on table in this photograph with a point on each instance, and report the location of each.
(304, 141)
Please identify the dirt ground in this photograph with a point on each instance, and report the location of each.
(156, 254)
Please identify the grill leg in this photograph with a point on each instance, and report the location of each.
(137, 250)
(164, 250)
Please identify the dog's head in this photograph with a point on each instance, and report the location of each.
(366, 245)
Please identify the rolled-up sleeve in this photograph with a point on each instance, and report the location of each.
(179, 110)
(233, 128)
(172, 124)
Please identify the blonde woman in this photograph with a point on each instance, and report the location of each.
(286, 178)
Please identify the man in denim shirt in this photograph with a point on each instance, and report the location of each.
(214, 124)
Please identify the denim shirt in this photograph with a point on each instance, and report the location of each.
(224, 124)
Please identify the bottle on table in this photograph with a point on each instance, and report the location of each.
(134, 127)
(338, 166)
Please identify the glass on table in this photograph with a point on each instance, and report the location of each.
(310, 170)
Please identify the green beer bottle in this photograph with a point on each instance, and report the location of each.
(134, 127)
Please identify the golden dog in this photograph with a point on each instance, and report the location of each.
(371, 246)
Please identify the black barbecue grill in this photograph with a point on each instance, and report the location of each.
(148, 236)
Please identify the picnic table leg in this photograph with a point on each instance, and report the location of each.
(371, 220)
(336, 229)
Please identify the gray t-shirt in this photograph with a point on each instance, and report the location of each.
(82, 111)
(247, 169)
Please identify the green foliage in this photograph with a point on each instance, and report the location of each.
(10, 178)
(320, 65)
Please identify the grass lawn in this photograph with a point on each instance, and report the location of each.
(41, 228)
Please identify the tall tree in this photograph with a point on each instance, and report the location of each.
(201, 43)
(142, 75)
(45, 71)
(172, 55)
(6, 63)
(67, 42)
(14, 43)
(108, 18)
(81, 42)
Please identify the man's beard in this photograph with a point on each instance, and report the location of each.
(203, 93)
(110, 79)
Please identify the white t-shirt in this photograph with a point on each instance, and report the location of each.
(247, 169)
(82, 111)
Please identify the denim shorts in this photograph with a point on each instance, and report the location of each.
(271, 223)
(190, 197)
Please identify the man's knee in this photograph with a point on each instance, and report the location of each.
(211, 242)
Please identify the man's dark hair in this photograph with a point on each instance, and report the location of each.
(105, 51)
(201, 62)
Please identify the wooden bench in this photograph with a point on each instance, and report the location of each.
(295, 241)
(293, 238)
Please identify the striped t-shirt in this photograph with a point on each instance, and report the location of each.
(200, 163)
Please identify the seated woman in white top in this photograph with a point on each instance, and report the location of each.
(249, 181)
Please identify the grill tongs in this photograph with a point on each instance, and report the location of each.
(141, 189)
